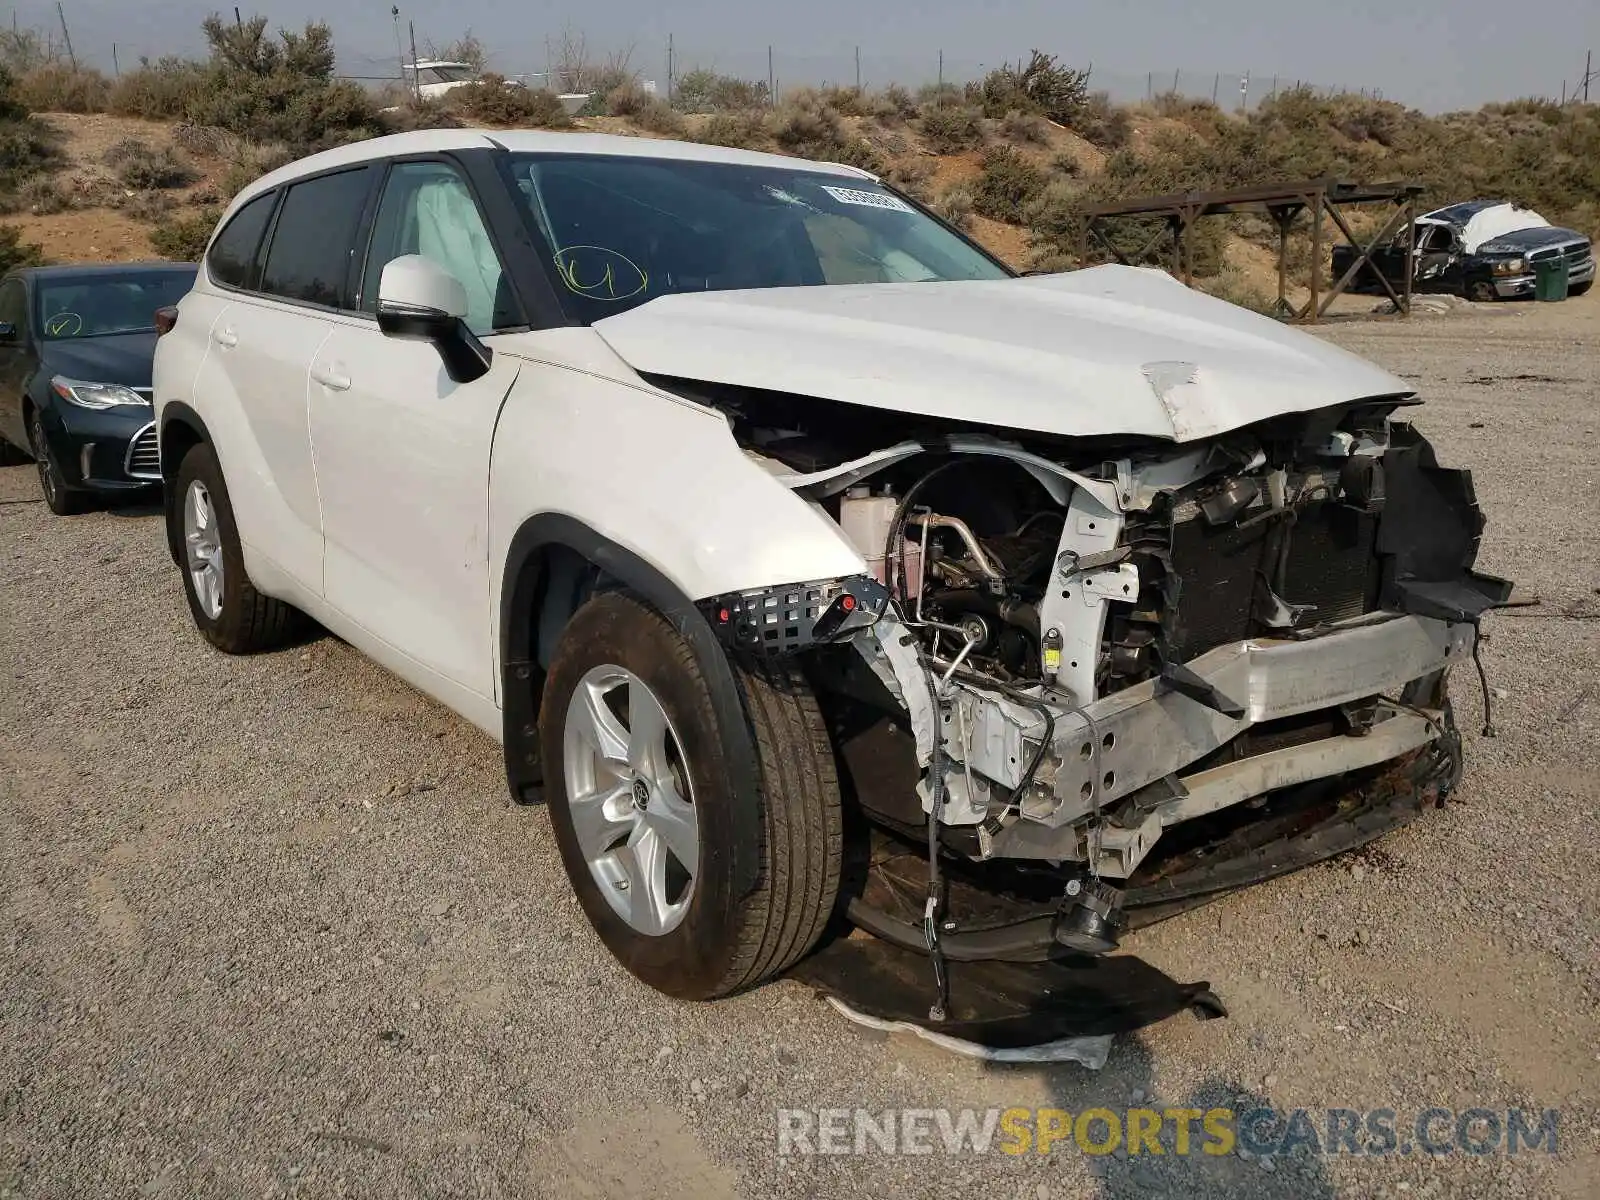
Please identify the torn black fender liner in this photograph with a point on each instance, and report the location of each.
(1003, 1005)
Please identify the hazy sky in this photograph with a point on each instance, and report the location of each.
(1428, 53)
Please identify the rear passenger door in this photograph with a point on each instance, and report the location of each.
(263, 344)
(402, 450)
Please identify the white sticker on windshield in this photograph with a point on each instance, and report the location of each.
(868, 199)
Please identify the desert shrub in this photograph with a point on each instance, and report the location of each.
(1231, 285)
(58, 87)
(14, 252)
(1006, 185)
(42, 195)
(955, 206)
(660, 118)
(278, 90)
(950, 128)
(894, 104)
(939, 94)
(184, 238)
(1041, 86)
(846, 101)
(149, 207)
(250, 161)
(627, 100)
(27, 145)
(1025, 127)
(204, 141)
(142, 166)
(160, 90)
(1102, 123)
(704, 91)
(859, 152)
(806, 125)
(742, 130)
(419, 112)
(493, 103)
(913, 176)
(1066, 164)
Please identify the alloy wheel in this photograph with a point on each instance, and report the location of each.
(203, 545)
(41, 457)
(631, 799)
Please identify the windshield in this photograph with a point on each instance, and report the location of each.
(447, 73)
(620, 230)
(80, 306)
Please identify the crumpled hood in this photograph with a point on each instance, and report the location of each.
(1107, 350)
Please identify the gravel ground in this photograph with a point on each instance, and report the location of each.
(271, 927)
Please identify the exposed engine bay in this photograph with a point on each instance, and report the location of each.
(1080, 645)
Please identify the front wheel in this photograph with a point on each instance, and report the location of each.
(652, 831)
(62, 500)
(1482, 292)
(226, 607)
(1578, 289)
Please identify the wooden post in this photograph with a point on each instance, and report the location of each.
(1316, 253)
(66, 34)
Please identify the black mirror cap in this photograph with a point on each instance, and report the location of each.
(465, 357)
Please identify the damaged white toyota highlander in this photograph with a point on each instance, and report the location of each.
(815, 569)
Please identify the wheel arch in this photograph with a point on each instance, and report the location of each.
(554, 563)
(181, 429)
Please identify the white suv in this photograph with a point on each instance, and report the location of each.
(764, 518)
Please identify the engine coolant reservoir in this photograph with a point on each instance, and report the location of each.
(866, 519)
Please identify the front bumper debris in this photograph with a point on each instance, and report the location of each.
(1125, 756)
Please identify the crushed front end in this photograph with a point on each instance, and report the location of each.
(1084, 682)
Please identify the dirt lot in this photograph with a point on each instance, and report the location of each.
(271, 928)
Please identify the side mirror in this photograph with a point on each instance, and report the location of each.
(8, 331)
(420, 301)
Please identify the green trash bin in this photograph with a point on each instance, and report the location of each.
(1550, 279)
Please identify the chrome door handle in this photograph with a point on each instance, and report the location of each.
(225, 337)
(332, 379)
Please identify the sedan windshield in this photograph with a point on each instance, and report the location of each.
(80, 306)
(622, 230)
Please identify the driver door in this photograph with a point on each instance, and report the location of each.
(402, 452)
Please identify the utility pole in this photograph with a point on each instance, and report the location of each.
(941, 77)
(65, 33)
(858, 68)
(1244, 92)
(1216, 82)
(1149, 86)
(772, 81)
(1175, 82)
(671, 66)
(399, 50)
(1588, 73)
(416, 75)
(116, 69)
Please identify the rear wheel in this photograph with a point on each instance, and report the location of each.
(649, 823)
(1482, 292)
(62, 500)
(226, 607)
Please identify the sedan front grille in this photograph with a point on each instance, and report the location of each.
(144, 455)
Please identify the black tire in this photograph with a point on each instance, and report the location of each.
(1482, 292)
(248, 622)
(1578, 289)
(60, 499)
(725, 942)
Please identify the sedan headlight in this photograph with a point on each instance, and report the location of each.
(1508, 266)
(96, 395)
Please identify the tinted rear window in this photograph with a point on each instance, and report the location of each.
(234, 250)
(309, 259)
